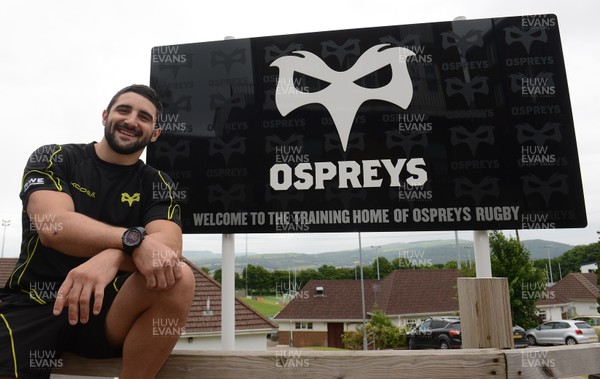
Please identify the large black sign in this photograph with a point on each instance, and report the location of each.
(443, 126)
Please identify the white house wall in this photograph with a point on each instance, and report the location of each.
(553, 312)
(590, 267)
(586, 308)
(247, 342)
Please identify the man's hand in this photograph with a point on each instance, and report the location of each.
(87, 280)
(159, 264)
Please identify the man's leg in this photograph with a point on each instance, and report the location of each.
(30, 338)
(148, 323)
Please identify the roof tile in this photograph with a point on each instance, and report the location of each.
(401, 292)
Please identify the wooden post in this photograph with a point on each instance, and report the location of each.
(485, 316)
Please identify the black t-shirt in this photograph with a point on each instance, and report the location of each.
(117, 195)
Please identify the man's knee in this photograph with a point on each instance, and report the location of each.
(187, 282)
(183, 290)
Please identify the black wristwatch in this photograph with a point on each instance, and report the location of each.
(133, 238)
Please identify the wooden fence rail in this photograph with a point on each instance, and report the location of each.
(533, 362)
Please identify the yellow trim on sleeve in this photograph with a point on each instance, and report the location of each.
(47, 172)
(172, 207)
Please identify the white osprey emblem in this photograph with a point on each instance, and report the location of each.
(342, 97)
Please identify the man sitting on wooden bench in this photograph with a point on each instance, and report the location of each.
(101, 241)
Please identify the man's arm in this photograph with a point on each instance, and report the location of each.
(53, 215)
(167, 233)
(62, 229)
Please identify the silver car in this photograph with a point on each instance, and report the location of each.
(562, 332)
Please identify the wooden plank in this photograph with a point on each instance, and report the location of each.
(384, 364)
(485, 317)
(539, 362)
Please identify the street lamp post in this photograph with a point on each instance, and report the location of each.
(5, 223)
(468, 257)
(362, 293)
(377, 259)
(549, 263)
(246, 265)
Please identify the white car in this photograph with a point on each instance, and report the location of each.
(562, 332)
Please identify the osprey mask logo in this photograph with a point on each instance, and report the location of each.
(129, 199)
(343, 96)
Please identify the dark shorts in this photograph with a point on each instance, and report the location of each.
(32, 339)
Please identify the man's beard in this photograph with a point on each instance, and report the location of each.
(133, 147)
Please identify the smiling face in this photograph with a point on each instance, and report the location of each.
(129, 124)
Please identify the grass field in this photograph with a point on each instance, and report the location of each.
(266, 307)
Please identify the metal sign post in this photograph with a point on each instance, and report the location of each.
(228, 292)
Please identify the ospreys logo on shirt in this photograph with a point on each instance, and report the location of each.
(129, 199)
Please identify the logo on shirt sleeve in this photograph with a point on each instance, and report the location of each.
(33, 182)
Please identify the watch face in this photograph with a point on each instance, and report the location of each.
(132, 237)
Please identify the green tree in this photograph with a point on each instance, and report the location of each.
(217, 275)
(384, 265)
(387, 335)
(526, 283)
(368, 272)
(328, 272)
(381, 333)
(401, 263)
(572, 260)
(303, 276)
(280, 280)
(345, 273)
(259, 279)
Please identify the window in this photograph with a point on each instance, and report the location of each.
(548, 325)
(426, 325)
(304, 325)
(436, 324)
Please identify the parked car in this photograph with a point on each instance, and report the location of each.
(562, 332)
(519, 337)
(436, 332)
(593, 320)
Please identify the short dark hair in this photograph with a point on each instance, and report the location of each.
(142, 90)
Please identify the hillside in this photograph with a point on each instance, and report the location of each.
(440, 251)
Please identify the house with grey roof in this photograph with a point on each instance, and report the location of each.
(324, 309)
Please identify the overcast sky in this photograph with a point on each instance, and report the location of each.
(61, 61)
